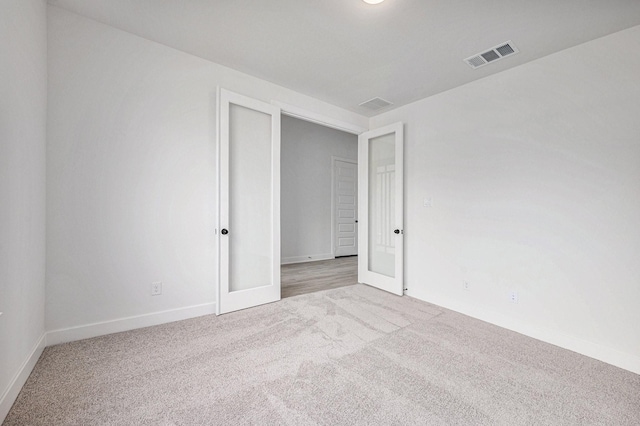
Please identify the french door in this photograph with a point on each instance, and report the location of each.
(249, 203)
(380, 204)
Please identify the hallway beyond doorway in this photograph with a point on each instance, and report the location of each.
(309, 277)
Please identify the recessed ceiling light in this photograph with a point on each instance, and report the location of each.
(373, 1)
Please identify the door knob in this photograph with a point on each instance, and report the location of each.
(397, 231)
(224, 232)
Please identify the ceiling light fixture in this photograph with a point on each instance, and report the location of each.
(373, 1)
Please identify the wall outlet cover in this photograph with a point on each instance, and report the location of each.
(156, 288)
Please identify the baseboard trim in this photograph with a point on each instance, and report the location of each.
(11, 393)
(88, 331)
(302, 259)
(597, 351)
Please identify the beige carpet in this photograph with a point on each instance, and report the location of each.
(347, 356)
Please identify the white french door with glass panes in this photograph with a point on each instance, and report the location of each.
(249, 203)
(380, 203)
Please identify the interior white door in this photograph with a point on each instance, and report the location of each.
(345, 199)
(380, 201)
(249, 203)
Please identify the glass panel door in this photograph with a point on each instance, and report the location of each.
(382, 221)
(250, 215)
(249, 237)
(380, 159)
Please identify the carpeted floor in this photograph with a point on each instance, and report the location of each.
(347, 356)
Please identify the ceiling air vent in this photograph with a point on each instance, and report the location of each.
(375, 104)
(494, 54)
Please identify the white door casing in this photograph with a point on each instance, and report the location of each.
(345, 200)
(380, 204)
(249, 202)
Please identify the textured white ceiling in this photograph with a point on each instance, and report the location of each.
(346, 52)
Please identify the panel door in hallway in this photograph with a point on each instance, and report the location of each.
(345, 196)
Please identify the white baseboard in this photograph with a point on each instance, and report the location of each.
(600, 352)
(302, 259)
(55, 337)
(12, 391)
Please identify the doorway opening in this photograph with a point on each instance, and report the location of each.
(318, 207)
(249, 217)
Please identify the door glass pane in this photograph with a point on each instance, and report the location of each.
(382, 205)
(250, 186)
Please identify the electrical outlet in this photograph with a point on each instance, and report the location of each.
(513, 296)
(466, 285)
(156, 289)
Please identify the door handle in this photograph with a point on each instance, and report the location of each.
(224, 231)
(397, 231)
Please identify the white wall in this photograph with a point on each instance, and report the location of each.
(535, 180)
(23, 102)
(131, 176)
(306, 213)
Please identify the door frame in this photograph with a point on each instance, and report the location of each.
(314, 117)
(334, 205)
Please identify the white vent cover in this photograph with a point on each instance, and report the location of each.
(375, 104)
(494, 54)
